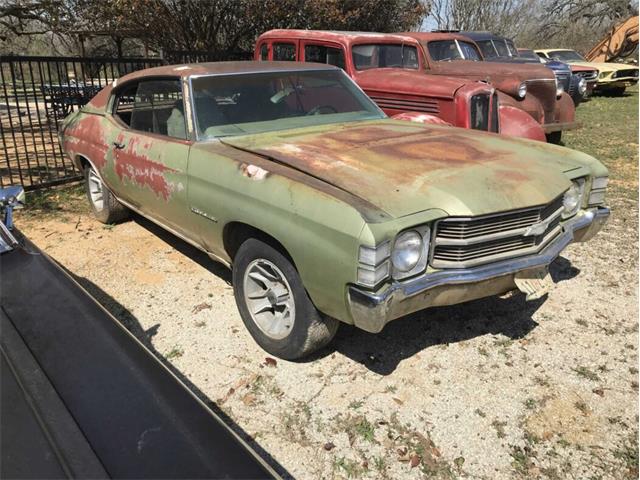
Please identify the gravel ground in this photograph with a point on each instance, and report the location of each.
(496, 388)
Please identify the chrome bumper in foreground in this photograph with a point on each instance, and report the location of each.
(371, 311)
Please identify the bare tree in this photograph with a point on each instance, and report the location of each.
(506, 17)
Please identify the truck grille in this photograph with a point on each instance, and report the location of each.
(564, 80)
(466, 242)
(588, 75)
(406, 104)
(630, 72)
(480, 111)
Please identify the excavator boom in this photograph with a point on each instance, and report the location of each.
(621, 42)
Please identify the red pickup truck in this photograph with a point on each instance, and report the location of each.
(391, 69)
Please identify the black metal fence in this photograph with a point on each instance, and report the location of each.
(36, 93)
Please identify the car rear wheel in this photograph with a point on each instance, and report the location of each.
(274, 305)
(104, 205)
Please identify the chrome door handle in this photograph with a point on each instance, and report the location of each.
(118, 146)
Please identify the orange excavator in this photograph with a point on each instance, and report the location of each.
(619, 44)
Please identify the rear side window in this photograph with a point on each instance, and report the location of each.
(284, 52)
(486, 46)
(324, 54)
(264, 52)
(385, 56)
(155, 106)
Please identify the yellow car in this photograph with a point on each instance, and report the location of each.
(613, 78)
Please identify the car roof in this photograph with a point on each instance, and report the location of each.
(481, 35)
(422, 36)
(335, 35)
(224, 68)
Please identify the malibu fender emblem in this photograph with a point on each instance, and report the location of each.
(197, 211)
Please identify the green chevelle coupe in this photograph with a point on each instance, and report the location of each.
(326, 210)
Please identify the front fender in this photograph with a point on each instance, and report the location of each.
(516, 123)
(565, 109)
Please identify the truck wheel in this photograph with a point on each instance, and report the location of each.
(104, 205)
(616, 92)
(554, 137)
(274, 304)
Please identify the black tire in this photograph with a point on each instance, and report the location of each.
(110, 211)
(554, 137)
(615, 92)
(311, 329)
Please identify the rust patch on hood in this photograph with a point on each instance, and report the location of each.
(403, 168)
(143, 171)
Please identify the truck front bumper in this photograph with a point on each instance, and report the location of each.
(559, 127)
(371, 311)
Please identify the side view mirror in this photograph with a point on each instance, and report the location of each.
(12, 197)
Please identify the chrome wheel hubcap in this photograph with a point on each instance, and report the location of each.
(269, 299)
(95, 190)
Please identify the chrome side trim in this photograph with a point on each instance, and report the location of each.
(7, 241)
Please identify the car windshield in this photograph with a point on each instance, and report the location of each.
(446, 50)
(385, 55)
(260, 102)
(566, 56)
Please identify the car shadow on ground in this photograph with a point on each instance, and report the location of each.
(131, 323)
(508, 315)
(185, 248)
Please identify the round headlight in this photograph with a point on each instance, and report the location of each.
(407, 250)
(522, 90)
(582, 86)
(572, 198)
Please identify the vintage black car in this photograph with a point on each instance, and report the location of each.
(81, 398)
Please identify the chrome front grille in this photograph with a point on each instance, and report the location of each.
(588, 75)
(630, 72)
(466, 242)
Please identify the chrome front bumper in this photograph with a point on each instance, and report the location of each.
(371, 311)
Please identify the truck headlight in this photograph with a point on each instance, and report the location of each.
(410, 252)
(582, 86)
(522, 90)
(573, 198)
(373, 264)
(598, 190)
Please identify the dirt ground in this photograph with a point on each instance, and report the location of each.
(493, 389)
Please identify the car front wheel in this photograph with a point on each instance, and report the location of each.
(274, 304)
(104, 205)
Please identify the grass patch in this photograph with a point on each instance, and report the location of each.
(609, 132)
(175, 352)
(584, 372)
(59, 201)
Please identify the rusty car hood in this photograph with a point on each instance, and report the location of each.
(404, 168)
(399, 80)
(495, 73)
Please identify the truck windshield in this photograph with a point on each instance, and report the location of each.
(566, 56)
(446, 50)
(259, 102)
(385, 55)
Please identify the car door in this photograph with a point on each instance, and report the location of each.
(151, 151)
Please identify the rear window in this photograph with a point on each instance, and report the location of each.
(385, 56)
(324, 54)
